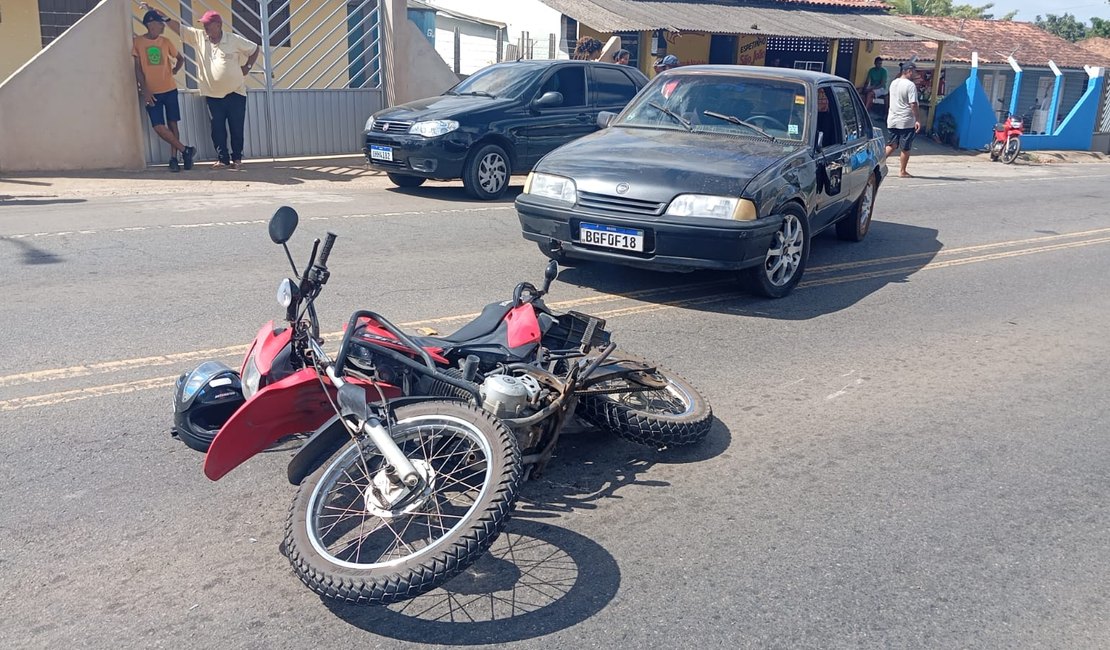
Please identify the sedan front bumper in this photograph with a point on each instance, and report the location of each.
(670, 243)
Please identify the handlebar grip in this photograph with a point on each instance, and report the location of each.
(328, 243)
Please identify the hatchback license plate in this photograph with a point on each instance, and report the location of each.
(626, 239)
(378, 152)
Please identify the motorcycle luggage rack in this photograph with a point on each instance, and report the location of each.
(575, 330)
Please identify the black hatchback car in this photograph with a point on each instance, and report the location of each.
(497, 122)
(713, 167)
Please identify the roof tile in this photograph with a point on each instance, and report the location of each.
(995, 40)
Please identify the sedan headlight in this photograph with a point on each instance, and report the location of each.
(433, 128)
(370, 123)
(550, 186)
(717, 207)
(286, 292)
(251, 378)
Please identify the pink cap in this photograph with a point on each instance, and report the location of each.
(211, 17)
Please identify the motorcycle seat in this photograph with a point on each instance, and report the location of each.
(485, 323)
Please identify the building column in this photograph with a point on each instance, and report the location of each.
(938, 65)
(834, 50)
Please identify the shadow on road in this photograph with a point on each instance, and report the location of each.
(32, 255)
(537, 578)
(456, 194)
(891, 254)
(344, 169)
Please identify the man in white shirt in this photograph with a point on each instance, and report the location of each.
(223, 61)
(901, 120)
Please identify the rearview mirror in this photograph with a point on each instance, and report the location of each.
(548, 99)
(549, 274)
(283, 224)
(605, 118)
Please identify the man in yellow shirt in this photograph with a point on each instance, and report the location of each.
(156, 62)
(223, 61)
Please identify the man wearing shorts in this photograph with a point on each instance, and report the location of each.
(902, 120)
(156, 62)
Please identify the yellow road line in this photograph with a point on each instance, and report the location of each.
(238, 350)
(85, 393)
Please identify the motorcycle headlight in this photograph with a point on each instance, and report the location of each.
(432, 128)
(550, 186)
(717, 207)
(286, 292)
(370, 123)
(251, 378)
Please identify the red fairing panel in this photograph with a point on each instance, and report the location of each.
(269, 343)
(296, 404)
(524, 328)
(293, 405)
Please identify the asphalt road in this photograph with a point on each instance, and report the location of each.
(911, 451)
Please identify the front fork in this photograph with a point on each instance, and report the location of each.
(378, 434)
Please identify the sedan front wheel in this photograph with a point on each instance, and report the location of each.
(486, 175)
(785, 261)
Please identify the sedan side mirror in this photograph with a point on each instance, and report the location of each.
(605, 118)
(548, 100)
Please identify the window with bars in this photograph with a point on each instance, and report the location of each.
(247, 22)
(56, 16)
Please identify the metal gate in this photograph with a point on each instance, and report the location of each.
(318, 78)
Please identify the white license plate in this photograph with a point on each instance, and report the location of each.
(626, 239)
(378, 152)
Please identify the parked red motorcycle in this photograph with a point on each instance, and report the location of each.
(1007, 139)
(418, 444)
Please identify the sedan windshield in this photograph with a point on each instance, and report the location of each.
(726, 104)
(497, 81)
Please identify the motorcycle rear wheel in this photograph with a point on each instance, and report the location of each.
(675, 416)
(345, 542)
(1013, 148)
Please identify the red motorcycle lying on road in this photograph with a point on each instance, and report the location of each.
(417, 444)
(1007, 139)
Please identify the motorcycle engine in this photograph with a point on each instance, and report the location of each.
(507, 396)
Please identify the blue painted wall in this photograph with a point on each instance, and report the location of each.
(1077, 130)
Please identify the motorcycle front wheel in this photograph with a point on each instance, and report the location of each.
(352, 535)
(674, 416)
(1013, 148)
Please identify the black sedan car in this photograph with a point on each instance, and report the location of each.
(713, 167)
(497, 122)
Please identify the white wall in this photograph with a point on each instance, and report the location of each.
(530, 16)
(478, 43)
(75, 104)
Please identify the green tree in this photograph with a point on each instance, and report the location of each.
(946, 8)
(1099, 27)
(1066, 26)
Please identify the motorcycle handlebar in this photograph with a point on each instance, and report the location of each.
(328, 243)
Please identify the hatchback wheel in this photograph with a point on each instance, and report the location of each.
(486, 175)
(785, 261)
(855, 225)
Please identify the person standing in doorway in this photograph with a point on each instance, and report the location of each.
(902, 120)
(223, 61)
(156, 62)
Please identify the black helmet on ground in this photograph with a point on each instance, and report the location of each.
(203, 401)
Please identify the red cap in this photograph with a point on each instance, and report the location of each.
(210, 17)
